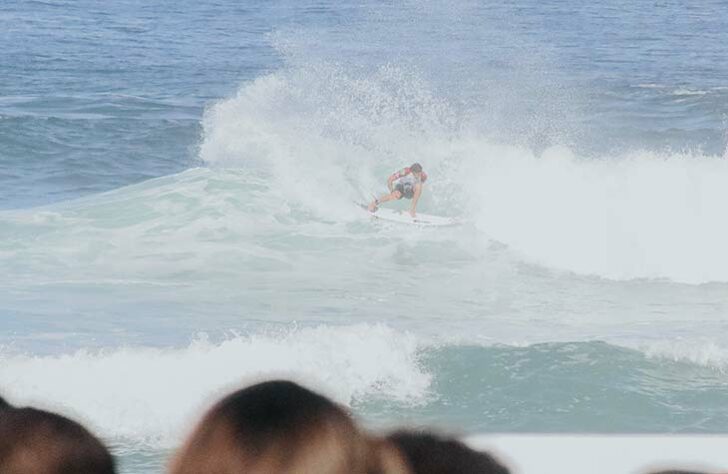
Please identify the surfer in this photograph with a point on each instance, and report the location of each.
(405, 183)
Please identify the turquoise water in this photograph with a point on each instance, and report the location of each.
(176, 183)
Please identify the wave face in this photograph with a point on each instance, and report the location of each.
(149, 398)
(238, 245)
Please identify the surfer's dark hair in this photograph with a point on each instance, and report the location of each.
(34, 440)
(416, 168)
(279, 426)
(428, 453)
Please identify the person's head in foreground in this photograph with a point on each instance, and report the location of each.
(678, 471)
(39, 442)
(428, 453)
(281, 427)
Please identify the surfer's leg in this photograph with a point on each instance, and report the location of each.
(384, 198)
(391, 196)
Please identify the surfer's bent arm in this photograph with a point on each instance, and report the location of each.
(394, 177)
(390, 182)
(415, 198)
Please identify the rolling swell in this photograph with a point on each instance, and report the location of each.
(554, 387)
(146, 395)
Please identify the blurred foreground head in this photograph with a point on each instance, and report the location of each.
(427, 453)
(281, 427)
(678, 471)
(39, 442)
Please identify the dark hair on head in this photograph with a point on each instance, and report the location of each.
(39, 442)
(279, 427)
(677, 471)
(416, 168)
(428, 453)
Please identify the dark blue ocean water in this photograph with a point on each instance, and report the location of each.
(95, 96)
(98, 96)
(175, 189)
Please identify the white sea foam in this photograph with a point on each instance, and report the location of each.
(688, 92)
(152, 395)
(704, 352)
(651, 85)
(639, 216)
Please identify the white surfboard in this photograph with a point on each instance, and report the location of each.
(404, 217)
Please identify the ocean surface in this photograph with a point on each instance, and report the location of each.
(176, 217)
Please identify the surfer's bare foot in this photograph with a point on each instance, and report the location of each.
(373, 206)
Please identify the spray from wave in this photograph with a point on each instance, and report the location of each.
(323, 136)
